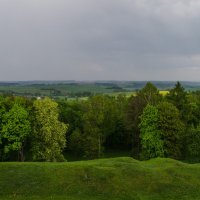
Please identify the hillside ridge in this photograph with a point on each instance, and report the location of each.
(114, 178)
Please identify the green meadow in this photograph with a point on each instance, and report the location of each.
(114, 179)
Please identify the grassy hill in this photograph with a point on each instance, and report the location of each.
(112, 179)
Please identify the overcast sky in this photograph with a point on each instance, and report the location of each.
(100, 40)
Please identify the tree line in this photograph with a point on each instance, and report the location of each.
(146, 125)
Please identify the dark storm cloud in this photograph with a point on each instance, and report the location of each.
(92, 39)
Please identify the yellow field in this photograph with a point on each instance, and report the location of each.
(164, 92)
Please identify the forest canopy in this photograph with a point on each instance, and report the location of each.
(145, 125)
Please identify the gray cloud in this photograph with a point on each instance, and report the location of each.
(90, 40)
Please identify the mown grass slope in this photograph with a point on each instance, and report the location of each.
(112, 179)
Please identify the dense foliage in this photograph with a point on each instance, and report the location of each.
(151, 141)
(145, 125)
(48, 132)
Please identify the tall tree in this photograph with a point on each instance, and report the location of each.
(178, 97)
(148, 95)
(192, 115)
(99, 121)
(2, 112)
(93, 124)
(16, 128)
(172, 129)
(193, 144)
(151, 141)
(71, 113)
(49, 133)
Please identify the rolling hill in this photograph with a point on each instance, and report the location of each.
(113, 179)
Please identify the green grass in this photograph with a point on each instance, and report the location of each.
(113, 179)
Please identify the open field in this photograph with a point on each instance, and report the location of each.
(164, 92)
(73, 89)
(113, 179)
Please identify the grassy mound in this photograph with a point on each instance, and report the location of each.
(113, 179)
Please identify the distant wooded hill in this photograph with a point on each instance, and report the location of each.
(76, 89)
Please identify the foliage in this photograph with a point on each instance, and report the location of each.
(177, 96)
(95, 124)
(152, 144)
(99, 123)
(148, 95)
(192, 115)
(193, 144)
(49, 133)
(172, 129)
(16, 127)
(146, 124)
(76, 143)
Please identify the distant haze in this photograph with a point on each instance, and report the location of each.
(99, 40)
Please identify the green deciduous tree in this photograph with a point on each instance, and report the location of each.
(49, 133)
(2, 112)
(119, 137)
(172, 129)
(93, 125)
(151, 142)
(76, 143)
(99, 123)
(16, 127)
(193, 144)
(148, 95)
(192, 116)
